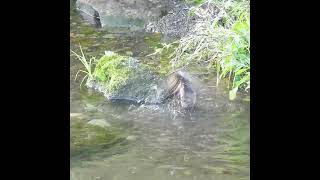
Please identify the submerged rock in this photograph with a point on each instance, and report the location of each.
(86, 138)
(131, 138)
(99, 122)
(109, 36)
(129, 53)
(76, 115)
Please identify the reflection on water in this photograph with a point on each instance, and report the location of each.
(211, 143)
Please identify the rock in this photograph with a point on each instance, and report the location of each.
(178, 23)
(125, 13)
(163, 139)
(87, 139)
(89, 13)
(131, 107)
(172, 172)
(81, 35)
(108, 36)
(132, 138)
(76, 115)
(99, 122)
(175, 24)
(187, 172)
(72, 35)
(89, 107)
(129, 53)
(135, 84)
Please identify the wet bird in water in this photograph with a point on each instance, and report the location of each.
(179, 87)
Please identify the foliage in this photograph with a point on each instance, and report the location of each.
(220, 40)
(164, 51)
(86, 63)
(112, 70)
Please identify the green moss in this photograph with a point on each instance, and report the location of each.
(153, 40)
(113, 71)
(88, 30)
(165, 66)
(85, 42)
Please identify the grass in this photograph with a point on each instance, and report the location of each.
(112, 70)
(88, 64)
(220, 41)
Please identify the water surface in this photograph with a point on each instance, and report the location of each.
(150, 143)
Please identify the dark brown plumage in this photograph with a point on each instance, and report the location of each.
(180, 87)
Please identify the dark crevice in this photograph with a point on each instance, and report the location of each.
(96, 18)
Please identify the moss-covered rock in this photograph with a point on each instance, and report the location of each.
(112, 71)
(123, 77)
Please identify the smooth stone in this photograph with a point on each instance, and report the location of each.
(108, 36)
(81, 35)
(187, 172)
(90, 107)
(129, 53)
(163, 139)
(76, 115)
(99, 122)
(132, 138)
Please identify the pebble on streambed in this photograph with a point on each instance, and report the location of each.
(76, 115)
(131, 138)
(99, 122)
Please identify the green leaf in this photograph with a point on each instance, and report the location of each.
(242, 80)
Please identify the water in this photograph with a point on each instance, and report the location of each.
(147, 142)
